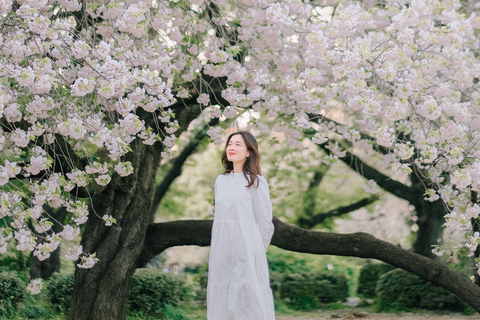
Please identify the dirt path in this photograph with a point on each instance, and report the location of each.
(353, 314)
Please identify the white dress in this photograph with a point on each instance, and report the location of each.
(238, 281)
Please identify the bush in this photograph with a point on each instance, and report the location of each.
(399, 288)
(14, 261)
(60, 290)
(12, 292)
(305, 290)
(201, 281)
(369, 275)
(152, 290)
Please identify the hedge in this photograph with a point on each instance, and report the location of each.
(306, 290)
(399, 288)
(369, 275)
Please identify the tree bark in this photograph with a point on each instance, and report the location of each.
(430, 227)
(45, 269)
(430, 220)
(101, 293)
(161, 236)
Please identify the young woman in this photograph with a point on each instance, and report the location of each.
(238, 280)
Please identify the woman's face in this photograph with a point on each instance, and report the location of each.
(236, 149)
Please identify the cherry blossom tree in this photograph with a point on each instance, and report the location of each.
(93, 95)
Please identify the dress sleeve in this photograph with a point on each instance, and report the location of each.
(263, 211)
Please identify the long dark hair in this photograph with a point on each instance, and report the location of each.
(251, 167)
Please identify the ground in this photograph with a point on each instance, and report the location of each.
(361, 314)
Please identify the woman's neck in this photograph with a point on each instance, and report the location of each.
(238, 167)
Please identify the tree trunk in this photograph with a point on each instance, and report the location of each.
(101, 293)
(44, 269)
(430, 227)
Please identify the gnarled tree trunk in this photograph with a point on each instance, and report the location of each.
(101, 293)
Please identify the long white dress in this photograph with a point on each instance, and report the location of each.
(238, 281)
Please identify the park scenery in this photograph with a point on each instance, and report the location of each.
(113, 118)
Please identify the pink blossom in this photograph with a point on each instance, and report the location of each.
(87, 262)
(37, 164)
(82, 86)
(204, 99)
(35, 286)
(74, 253)
(103, 179)
(69, 233)
(20, 138)
(124, 168)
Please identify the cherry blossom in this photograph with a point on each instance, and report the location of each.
(35, 286)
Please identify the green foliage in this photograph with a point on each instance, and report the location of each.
(286, 262)
(13, 260)
(305, 290)
(282, 261)
(12, 292)
(168, 313)
(152, 290)
(369, 275)
(39, 308)
(60, 290)
(172, 313)
(399, 289)
(201, 280)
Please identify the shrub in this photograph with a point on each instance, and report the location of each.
(60, 290)
(12, 292)
(399, 288)
(14, 261)
(154, 289)
(201, 289)
(305, 290)
(369, 275)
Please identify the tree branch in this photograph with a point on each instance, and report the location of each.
(385, 182)
(309, 222)
(161, 236)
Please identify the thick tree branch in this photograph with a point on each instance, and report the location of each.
(161, 236)
(309, 222)
(385, 182)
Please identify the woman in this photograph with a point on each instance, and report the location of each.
(238, 281)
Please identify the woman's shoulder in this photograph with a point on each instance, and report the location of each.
(260, 177)
(221, 177)
(262, 181)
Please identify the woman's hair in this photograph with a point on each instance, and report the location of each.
(251, 167)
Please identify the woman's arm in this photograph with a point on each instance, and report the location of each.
(263, 211)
